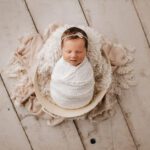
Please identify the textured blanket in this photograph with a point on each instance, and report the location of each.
(70, 87)
(43, 51)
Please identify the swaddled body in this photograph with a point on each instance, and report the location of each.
(72, 86)
(72, 79)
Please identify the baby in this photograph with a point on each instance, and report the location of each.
(72, 79)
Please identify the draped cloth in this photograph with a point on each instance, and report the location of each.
(46, 47)
(71, 86)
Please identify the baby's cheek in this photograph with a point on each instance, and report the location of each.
(81, 58)
(83, 55)
(65, 55)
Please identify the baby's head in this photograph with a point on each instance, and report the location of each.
(74, 44)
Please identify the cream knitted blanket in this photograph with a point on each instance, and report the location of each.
(46, 46)
(70, 87)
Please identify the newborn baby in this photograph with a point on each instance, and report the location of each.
(72, 79)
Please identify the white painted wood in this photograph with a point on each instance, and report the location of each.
(42, 19)
(118, 21)
(15, 23)
(109, 134)
(143, 10)
(61, 11)
(12, 135)
(112, 30)
(63, 136)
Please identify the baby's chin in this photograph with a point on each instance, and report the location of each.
(74, 63)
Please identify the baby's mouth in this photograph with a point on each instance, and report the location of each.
(73, 60)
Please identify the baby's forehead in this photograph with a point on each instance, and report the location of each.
(77, 41)
(74, 39)
(71, 45)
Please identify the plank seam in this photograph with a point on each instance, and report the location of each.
(128, 124)
(79, 133)
(84, 12)
(136, 10)
(16, 112)
(31, 16)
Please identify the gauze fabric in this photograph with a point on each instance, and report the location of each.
(72, 86)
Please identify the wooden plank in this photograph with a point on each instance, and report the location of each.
(63, 137)
(108, 134)
(143, 11)
(65, 11)
(13, 25)
(84, 127)
(118, 21)
(9, 124)
(40, 135)
(21, 25)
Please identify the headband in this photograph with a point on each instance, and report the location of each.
(80, 35)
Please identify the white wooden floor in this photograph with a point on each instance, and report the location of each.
(124, 21)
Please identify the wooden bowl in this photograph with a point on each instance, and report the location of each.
(51, 108)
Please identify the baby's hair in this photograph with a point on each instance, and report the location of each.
(74, 33)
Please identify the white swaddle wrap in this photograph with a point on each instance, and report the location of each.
(72, 86)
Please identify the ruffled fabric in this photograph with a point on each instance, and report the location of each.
(43, 51)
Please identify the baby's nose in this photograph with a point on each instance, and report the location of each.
(73, 55)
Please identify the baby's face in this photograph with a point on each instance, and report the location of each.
(74, 51)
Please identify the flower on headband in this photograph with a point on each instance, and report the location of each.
(80, 35)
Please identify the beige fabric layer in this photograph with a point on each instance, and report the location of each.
(23, 66)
